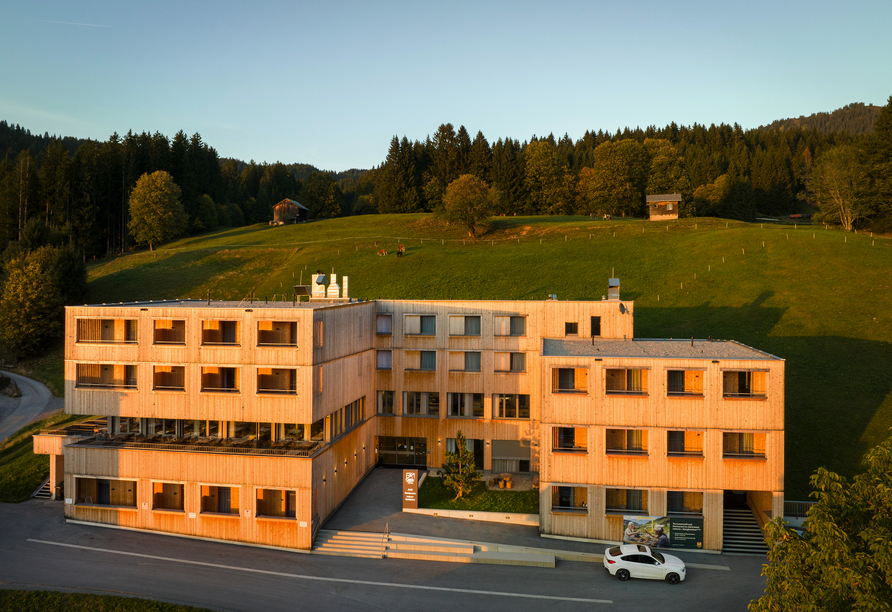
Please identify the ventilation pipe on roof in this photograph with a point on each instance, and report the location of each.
(334, 290)
(344, 292)
(613, 289)
(319, 285)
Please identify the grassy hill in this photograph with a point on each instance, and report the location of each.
(819, 298)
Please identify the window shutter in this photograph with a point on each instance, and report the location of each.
(581, 437)
(456, 326)
(456, 361)
(581, 379)
(502, 362)
(502, 326)
(413, 324)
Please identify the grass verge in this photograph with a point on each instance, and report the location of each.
(48, 368)
(434, 494)
(21, 471)
(51, 601)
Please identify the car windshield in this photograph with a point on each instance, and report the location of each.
(658, 556)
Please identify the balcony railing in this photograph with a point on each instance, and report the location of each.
(752, 455)
(627, 451)
(108, 385)
(219, 390)
(570, 509)
(277, 391)
(683, 453)
(570, 390)
(570, 449)
(755, 395)
(797, 509)
(626, 392)
(226, 446)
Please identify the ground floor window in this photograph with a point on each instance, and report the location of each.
(105, 492)
(220, 500)
(634, 500)
(277, 503)
(684, 502)
(167, 496)
(569, 499)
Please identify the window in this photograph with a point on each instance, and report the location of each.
(510, 362)
(384, 324)
(169, 378)
(475, 446)
(167, 496)
(510, 456)
(428, 361)
(744, 384)
(684, 382)
(195, 429)
(465, 405)
(743, 445)
(170, 332)
(164, 427)
(626, 442)
(421, 403)
(511, 406)
(105, 492)
(596, 327)
(385, 402)
(219, 332)
(276, 503)
(219, 380)
(626, 382)
(684, 502)
(624, 500)
(277, 380)
(464, 361)
(472, 362)
(571, 329)
(317, 429)
(510, 326)
(276, 333)
(464, 325)
(684, 443)
(569, 380)
(569, 499)
(219, 500)
(346, 419)
(421, 325)
(107, 331)
(569, 439)
(106, 376)
(385, 360)
(127, 425)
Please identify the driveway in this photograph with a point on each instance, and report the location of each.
(32, 405)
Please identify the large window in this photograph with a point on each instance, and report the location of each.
(167, 496)
(627, 441)
(106, 376)
(569, 439)
(743, 445)
(466, 325)
(684, 382)
(220, 332)
(219, 500)
(169, 378)
(465, 405)
(105, 492)
(510, 326)
(420, 361)
(464, 361)
(421, 325)
(276, 333)
(219, 380)
(385, 360)
(508, 406)
(107, 331)
(168, 331)
(347, 418)
(385, 402)
(626, 382)
(384, 324)
(421, 403)
(276, 503)
(625, 500)
(684, 502)
(569, 499)
(510, 362)
(277, 380)
(569, 380)
(744, 384)
(684, 443)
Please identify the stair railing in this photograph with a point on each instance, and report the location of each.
(385, 540)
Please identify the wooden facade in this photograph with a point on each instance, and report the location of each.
(517, 378)
(663, 207)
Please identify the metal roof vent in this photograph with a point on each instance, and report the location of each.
(613, 289)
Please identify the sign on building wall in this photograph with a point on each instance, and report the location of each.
(663, 531)
(410, 489)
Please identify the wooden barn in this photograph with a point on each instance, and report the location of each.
(663, 207)
(289, 211)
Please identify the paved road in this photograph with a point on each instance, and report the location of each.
(39, 550)
(34, 400)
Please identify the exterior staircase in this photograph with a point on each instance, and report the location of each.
(419, 548)
(741, 533)
(45, 491)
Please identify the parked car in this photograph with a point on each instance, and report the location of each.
(639, 561)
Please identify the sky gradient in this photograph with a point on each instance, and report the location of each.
(331, 83)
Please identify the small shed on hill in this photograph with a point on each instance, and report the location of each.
(663, 206)
(289, 211)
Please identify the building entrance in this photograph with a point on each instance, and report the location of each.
(398, 451)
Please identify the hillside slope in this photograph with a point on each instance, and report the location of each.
(820, 299)
(857, 118)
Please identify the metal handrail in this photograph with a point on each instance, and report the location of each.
(626, 391)
(81, 341)
(752, 455)
(194, 448)
(82, 385)
(797, 509)
(694, 453)
(730, 394)
(385, 540)
(219, 390)
(626, 451)
(559, 390)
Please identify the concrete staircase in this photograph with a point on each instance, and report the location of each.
(45, 491)
(419, 548)
(741, 533)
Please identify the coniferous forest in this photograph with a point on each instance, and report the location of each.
(78, 190)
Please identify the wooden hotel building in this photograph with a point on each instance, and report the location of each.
(253, 421)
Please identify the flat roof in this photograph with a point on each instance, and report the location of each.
(196, 303)
(663, 197)
(648, 347)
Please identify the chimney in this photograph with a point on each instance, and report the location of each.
(613, 289)
(344, 293)
(319, 286)
(334, 290)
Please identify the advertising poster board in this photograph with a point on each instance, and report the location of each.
(663, 531)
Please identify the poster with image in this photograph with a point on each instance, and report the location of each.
(663, 531)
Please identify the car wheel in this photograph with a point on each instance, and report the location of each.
(673, 578)
(622, 574)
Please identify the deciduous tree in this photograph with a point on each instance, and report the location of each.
(470, 202)
(156, 213)
(837, 183)
(30, 306)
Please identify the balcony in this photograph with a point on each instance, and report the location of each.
(288, 447)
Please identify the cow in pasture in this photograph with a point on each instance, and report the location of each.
(382, 252)
(400, 250)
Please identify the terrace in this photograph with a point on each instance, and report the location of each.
(288, 447)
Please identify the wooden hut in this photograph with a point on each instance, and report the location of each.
(663, 207)
(289, 211)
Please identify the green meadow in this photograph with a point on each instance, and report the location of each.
(819, 298)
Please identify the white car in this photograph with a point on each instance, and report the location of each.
(639, 561)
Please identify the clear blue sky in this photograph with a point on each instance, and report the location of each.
(329, 83)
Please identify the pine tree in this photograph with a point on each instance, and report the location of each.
(459, 472)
